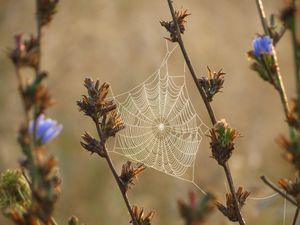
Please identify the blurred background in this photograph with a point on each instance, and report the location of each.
(122, 42)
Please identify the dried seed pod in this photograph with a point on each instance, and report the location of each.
(92, 145)
(129, 173)
(96, 104)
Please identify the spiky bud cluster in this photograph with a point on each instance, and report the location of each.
(140, 216)
(129, 173)
(212, 84)
(222, 141)
(229, 210)
(171, 27)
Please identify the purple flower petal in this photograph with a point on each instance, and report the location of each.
(51, 133)
(262, 45)
(46, 129)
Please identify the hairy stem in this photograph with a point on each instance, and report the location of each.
(278, 190)
(295, 216)
(113, 170)
(207, 105)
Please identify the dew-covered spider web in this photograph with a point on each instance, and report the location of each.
(163, 130)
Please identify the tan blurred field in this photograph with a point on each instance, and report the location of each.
(122, 42)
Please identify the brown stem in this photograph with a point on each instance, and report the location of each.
(278, 190)
(113, 170)
(207, 105)
(295, 216)
(232, 190)
(191, 69)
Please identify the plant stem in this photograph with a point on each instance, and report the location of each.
(208, 107)
(278, 190)
(280, 87)
(295, 216)
(296, 48)
(191, 69)
(37, 68)
(21, 92)
(113, 170)
(232, 190)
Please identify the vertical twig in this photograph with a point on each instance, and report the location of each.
(113, 170)
(295, 216)
(37, 68)
(296, 48)
(280, 87)
(208, 107)
(262, 16)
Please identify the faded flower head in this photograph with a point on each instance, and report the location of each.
(289, 14)
(262, 45)
(129, 173)
(73, 220)
(197, 209)
(293, 118)
(46, 129)
(222, 141)
(140, 217)
(291, 187)
(96, 104)
(229, 210)
(47, 8)
(171, 27)
(291, 147)
(14, 190)
(212, 84)
(25, 52)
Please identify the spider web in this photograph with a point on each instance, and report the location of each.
(163, 130)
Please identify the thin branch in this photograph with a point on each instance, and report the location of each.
(191, 69)
(208, 107)
(295, 216)
(279, 191)
(113, 170)
(280, 88)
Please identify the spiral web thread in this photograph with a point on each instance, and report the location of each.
(163, 130)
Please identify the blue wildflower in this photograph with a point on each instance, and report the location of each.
(262, 45)
(46, 129)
